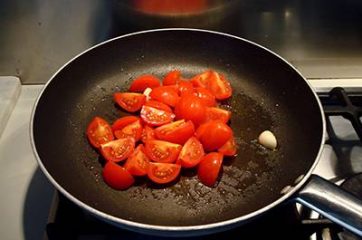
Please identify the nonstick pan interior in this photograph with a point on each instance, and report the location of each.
(268, 94)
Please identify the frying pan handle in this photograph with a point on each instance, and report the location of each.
(332, 202)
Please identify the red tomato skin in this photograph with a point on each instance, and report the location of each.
(176, 132)
(137, 163)
(206, 96)
(163, 173)
(158, 105)
(155, 117)
(144, 81)
(209, 168)
(171, 78)
(166, 95)
(117, 177)
(99, 132)
(185, 87)
(213, 134)
(214, 113)
(191, 153)
(191, 108)
(162, 151)
(201, 80)
(229, 148)
(107, 148)
(131, 102)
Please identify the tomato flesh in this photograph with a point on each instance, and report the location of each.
(176, 132)
(206, 96)
(117, 177)
(171, 78)
(162, 173)
(213, 134)
(147, 134)
(214, 113)
(117, 150)
(158, 105)
(155, 117)
(99, 132)
(191, 108)
(143, 82)
(162, 151)
(138, 162)
(185, 87)
(219, 86)
(201, 80)
(133, 130)
(191, 153)
(123, 121)
(131, 102)
(229, 148)
(209, 168)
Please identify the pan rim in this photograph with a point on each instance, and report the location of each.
(162, 228)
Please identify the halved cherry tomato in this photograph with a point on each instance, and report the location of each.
(206, 96)
(131, 130)
(131, 102)
(116, 176)
(155, 117)
(191, 153)
(185, 87)
(176, 132)
(118, 150)
(201, 80)
(213, 134)
(99, 132)
(137, 163)
(172, 78)
(209, 168)
(143, 82)
(165, 94)
(229, 148)
(214, 113)
(147, 134)
(191, 108)
(219, 86)
(162, 151)
(158, 105)
(163, 172)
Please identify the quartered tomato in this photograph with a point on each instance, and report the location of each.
(213, 134)
(133, 130)
(147, 134)
(158, 105)
(99, 132)
(162, 151)
(123, 121)
(191, 153)
(206, 96)
(117, 177)
(117, 150)
(185, 87)
(137, 163)
(176, 132)
(131, 102)
(165, 94)
(214, 113)
(201, 80)
(219, 86)
(229, 148)
(143, 82)
(163, 172)
(191, 108)
(155, 117)
(209, 168)
(172, 78)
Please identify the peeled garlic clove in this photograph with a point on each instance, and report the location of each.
(268, 140)
(147, 92)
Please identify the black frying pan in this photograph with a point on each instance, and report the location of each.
(268, 94)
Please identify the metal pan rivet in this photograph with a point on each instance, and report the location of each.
(298, 179)
(286, 189)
